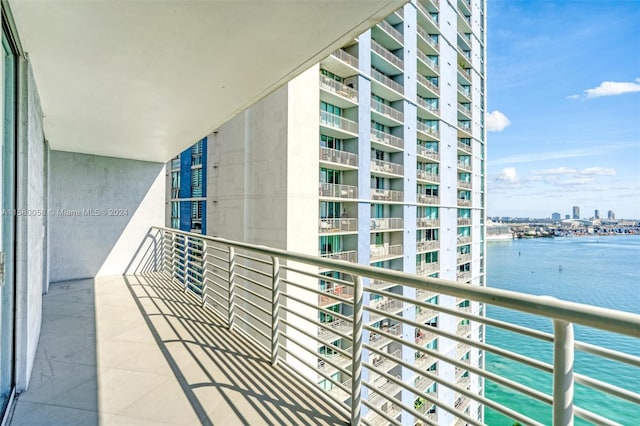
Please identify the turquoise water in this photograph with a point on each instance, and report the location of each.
(600, 271)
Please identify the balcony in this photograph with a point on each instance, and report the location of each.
(346, 256)
(162, 345)
(427, 153)
(346, 57)
(463, 239)
(432, 88)
(427, 245)
(385, 54)
(428, 65)
(394, 143)
(464, 165)
(427, 176)
(334, 121)
(435, 46)
(337, 226)
(344, 158)
(334, 190)
(387, 112)
(463, 202)
(336, 294)
(466, 148)
(464, 184)
(338, 88)
(463, 258)
(386, 167)
(379, 252)
(389, 195)
(386, 81)
(427, 268)
(464, 221)
(379, 340)
(429, 107)
(423, 222)
(391, 31)
(427, 199)
(465, 111)
(427, 130)
(463, 276)
(426, 14)
(464, 92)
(386, 223)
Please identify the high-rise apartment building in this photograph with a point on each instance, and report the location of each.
(555, 217)
(375, 156)
(576, 212)
(611, 215)
(596, 214)
(186, 189)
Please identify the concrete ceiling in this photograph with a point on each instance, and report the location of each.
(145, 79)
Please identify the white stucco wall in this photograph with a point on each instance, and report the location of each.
(102, 208)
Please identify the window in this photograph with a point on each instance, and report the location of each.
(330, 142)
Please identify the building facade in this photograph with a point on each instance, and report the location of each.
(375, 156)
(187, 189)
(576, 212)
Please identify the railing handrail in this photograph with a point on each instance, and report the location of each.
(592, 316)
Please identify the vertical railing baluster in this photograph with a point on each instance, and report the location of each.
(563, 354)
(186, 264)
(232, 286)
(356, 353)
(203, 272)
(275, 309)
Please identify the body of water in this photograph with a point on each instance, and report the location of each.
(600, 271)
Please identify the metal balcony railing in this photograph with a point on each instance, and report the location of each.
(339, 88)
(464, 184)
(337, 156)
(384, 223)
(463, 239)
(386, 167)
(386, 195)
(387, 139)
(425, 82)
(424, 175)
(267, 295)
(431, 63)
(332, 226)
(427, 268)
(427, 130)
(346, 256)
(427, 245)
(462, 202)
(385, 109)
(427, 199)
(427, 153)
(434, 109)
(386, 54)
(347, 57)
(388, 28)
(335, 294)
(425, 36)
(463, 276)
(426, 13)
(464, 221)
(463, 165)
(383, 251)
(332, 120)
(336, 190)
(424, 222)
(377, 75)
(463, 258)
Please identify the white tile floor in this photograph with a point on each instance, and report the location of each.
(138, 351)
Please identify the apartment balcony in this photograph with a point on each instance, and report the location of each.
(464, 221)
(433, 112)
(346, 256)
(386, 168)
(422, 294)
(463, 258)
(385, 251)
(339, 159)
(327, 330)
(387, 56)
(426, 15)
(426, 42)
(423, 222)
(381, 284)
(463, 276)
(427, 65)
(389, 195)
(427, 268)
(463, 239)
(427, 177)
(466, 148)
(465, 73)
(342, 63)
(379, 340)
(464, 93)
(464, 7)
(465, 166)
(337, 225)
(386, 363)
(336, 294)
(425, 361)
(464, 202)
(345, 127)
(335, 190)
(388, 31)
(464, 128)
(387, 224)
(388, 83)
(425, 314)
(424, 245)
(465, 112)
(387, 140)
(204, 334)
(422, 382)
(431, 89)
(386, 114)
(463, 184)
(427, 153)
(347, 97)
(428, 131)
(391, 410)
(427, 199)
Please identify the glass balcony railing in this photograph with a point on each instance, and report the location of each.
(332, 120)
(428, 130)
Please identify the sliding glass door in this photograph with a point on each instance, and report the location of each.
(7, 220)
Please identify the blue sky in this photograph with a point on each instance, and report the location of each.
(563, 107)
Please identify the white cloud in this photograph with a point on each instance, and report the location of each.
(508, 175)
(533, 157)
(610, 88)
(497, 121)
(556, 171)
(597, 171)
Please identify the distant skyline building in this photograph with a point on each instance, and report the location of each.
(555, 216)
(611, 215)
(596, 214)
(186, 206)
(576, 212)
(567, 216)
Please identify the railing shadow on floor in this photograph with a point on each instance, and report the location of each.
(223, 360)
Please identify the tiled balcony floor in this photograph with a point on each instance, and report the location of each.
(139, 351)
